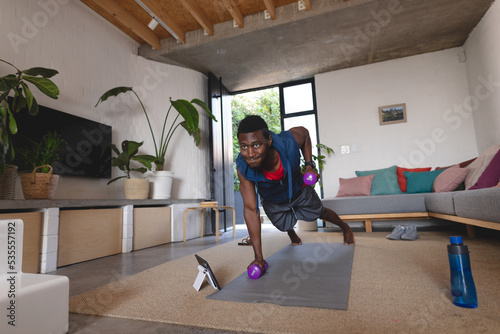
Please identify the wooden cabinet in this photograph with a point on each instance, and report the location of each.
(88, 234)
(32, 238)
(152, 227)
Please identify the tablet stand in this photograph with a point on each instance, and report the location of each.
(202, 273)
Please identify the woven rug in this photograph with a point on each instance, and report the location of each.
(396, 287)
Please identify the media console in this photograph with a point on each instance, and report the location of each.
(62, 232)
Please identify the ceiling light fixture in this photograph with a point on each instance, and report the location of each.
(152, 24)
(139, 2)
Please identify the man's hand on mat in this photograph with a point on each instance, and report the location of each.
(294, 238)
(348, 237)
(260, 263)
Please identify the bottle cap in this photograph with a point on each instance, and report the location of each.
(456, 240)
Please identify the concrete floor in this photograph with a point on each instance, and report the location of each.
(92, 274)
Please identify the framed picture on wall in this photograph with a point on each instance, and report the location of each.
(395, 113)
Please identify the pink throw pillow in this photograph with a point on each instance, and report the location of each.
(450, 179)
(491, 175)
(356, 186)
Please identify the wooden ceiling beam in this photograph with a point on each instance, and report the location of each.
(308, 4)
(166, 19)
(235, 12)
(271, 8)
(125, 18)
(202, 19)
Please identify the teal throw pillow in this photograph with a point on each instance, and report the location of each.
(385, 181)
(421, 182)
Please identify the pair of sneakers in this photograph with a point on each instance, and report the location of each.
(404, 232)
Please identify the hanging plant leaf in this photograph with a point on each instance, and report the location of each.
(113, 92)
(188, 112)
(204, 106)
(40, 71)
(45, 85)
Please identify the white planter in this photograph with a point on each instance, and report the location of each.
(303, 225)
(160, 184)
(136, 188)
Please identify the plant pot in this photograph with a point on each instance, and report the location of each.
(8, 182)
(160, 184)
(136, 188)
(39, 185)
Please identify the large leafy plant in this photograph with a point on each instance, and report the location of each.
(16, 86)
(185, 109)
(123, 159)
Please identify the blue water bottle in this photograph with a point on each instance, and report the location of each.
(463, 290)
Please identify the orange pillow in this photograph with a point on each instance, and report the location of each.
(402, 178)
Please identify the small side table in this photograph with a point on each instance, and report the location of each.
(216, 208)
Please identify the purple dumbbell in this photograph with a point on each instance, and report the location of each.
(310, 179)
(254, 271)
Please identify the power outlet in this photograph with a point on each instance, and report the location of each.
(344, 149)
(266, 15)
(302, 5)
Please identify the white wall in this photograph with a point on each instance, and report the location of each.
(92, 56)
(437, 132)
(483, 71)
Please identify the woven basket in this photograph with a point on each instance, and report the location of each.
(8, 183)
(39, 185)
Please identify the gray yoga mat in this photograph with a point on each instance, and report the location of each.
(309, 275)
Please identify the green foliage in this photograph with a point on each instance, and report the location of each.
(44, 152)
(22, 99)
(266, 104)
(129, 152)
(320, 159)
(184, 108)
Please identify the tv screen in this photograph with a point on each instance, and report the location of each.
(86, 151)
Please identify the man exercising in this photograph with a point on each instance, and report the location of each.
(271, 163)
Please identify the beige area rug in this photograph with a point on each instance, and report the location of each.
(396, 287)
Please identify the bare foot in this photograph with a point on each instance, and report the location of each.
(294, 238)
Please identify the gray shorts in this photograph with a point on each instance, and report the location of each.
(306, 206)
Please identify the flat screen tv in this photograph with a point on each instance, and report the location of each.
(86, 152)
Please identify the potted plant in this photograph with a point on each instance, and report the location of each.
(161, 179)
(22, 100)
(134, 188)
(38, 182)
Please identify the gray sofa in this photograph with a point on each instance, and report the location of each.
(471, 207)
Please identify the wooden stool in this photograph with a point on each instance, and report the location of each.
(216, 208)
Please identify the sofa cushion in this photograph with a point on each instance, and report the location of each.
(402, 178)
(449, 179)
(421, 182)
(440, 202)
(355, 186)
(491, 174)
(402, 203)
(479, 204)
(385, 181)
(462, 164)
(477, 167)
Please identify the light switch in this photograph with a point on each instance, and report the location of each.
(355, 148)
